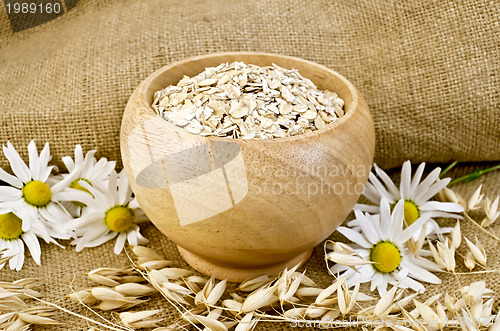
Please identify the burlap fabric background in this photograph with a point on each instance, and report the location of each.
(428, 70)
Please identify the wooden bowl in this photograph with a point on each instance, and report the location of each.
(241, 208)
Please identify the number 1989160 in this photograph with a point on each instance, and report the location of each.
(41, 8)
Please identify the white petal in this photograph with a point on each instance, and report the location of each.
(71, 194)
(112, 182)
(41, 231)
(46, 215)
(385, 218)
(424, 186)
(445, 215)
(140, 217)
(367, 208)
(101, 201)
(93, 232)
(416, 179)
(68, 162)
(89, 217)
(367, 273)
(376, 281)
(400, 274)
(441, 206)
(18, 259)
(78, 155)
(430, 227)
(124, 190)
(45, 173)
(410, 231)
(352, 281)
(404, 186)
(60, 214)
(9, 179)
(16, 163)
(134, 204)
(426, 264)
(371, 193)
(97, 171)
(354, 236)
(89, 160)
(379, 187)
(34, 161)
(102, 170)
(94, 237)
(348, 273)
(8, 193)
(337, 268)
(432, 191)
(33, 246)
(120, 242)
(370, 231)
(414, 285)
(45, 156)
(140, 239)
(381, 283)
(15, 203)
(397, 220)
(364, 253)
(388, 182)
(132, 237)
(421, 274)
(74, 210)
(29, 215)
(101, 240)
(354, 225)
(64, 183)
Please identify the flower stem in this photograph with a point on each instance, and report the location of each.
(474, 175)
(448, 168)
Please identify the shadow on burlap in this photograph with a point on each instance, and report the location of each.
(429, 73)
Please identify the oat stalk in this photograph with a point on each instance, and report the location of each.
(473, 175)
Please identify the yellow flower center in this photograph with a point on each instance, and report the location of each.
(412, 212)
(386, 256)
(76, 185)
(37, 193)
(10, 226)
(119, 218)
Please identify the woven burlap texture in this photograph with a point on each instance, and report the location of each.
(429, 70)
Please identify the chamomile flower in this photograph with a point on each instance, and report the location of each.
(414, 193)
(111, 213)
(33, 194)
(88, 169)
(13, 238)
(382, 243)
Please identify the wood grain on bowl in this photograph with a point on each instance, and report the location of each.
(239, 208)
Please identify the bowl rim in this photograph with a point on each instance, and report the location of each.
(144, 86)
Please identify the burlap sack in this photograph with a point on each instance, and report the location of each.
(429, 70)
